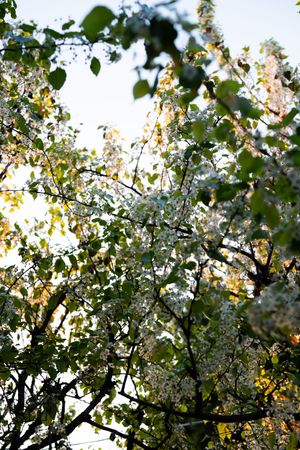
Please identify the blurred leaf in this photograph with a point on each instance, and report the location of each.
(257, 201)
(141, 88)
(96, 21)
(191, 76)
(227, 87)
(198, 129)
(172, 277)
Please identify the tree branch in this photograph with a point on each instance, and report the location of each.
(118, 433)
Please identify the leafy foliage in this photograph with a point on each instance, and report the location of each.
(157, 297)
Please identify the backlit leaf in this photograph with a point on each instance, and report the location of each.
(57, 78)
(96, 21)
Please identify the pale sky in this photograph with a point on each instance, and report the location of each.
(108, 98)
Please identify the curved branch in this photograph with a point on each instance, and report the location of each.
(118, 433)
(203, 416)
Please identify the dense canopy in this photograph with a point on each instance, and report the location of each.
(155, 294)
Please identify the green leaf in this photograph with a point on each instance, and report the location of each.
(223, 131)
(4, 374)
(272, 141)
(215, 254)
(45, 263)
(24, 292)
(198, 307)
(47, 190)
(293, 441)
(52, 303)
(228, 191)
(53, 33)
(95, 65)
(289, 117)
(295, 139)
(204, 196)
(147, 259)
(257, 201)
(260, 206)
(141, 88)
(247, 109)
(272, 215)
(13, 52)
(163, 31)
(57, 78)
(73, 261)
(191, 265)
(46, 419)
(59, 265)
(68, 24)
(96, 21)
(260, 234)
(198, 129)
(191, 76)
(294, 156)
(21, 123)
(39, 144)
(249, 163)
(227, 87)
(171, 278)
(28, 28)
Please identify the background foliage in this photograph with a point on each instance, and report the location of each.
(158, 296)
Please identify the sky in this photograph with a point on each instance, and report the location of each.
(108, 98)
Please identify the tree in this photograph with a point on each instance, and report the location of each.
(158, 299)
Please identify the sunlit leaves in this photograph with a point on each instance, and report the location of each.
(149, 262)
